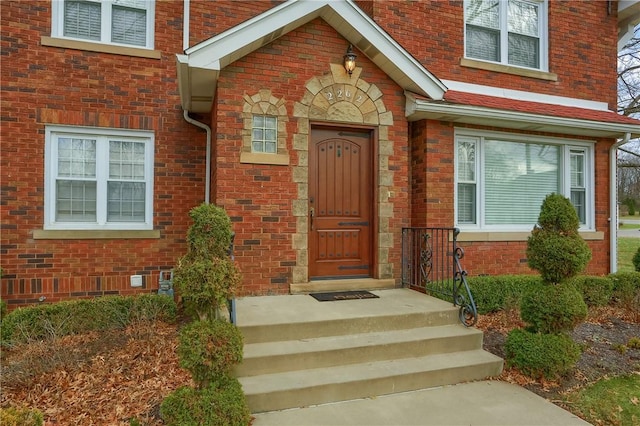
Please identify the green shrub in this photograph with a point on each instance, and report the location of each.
(636, 260)
(208, 349)
(553, 308)
(13, 416)
(206, 284)
(555, 248)
(541, 355)
(3, 309)
(53, 320)
(220, 403)
(596, 291)
(626, 287)
(495, 293)
(210, 234)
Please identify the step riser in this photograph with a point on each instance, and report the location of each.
(252, 366)
(314, 329)
(371, 387)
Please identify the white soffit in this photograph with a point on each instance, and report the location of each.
(199, 67)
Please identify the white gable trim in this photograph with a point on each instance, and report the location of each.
(199, 67)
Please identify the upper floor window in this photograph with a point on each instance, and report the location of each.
(510, 32)
(121, 22)
(98, 178)
(501, 180)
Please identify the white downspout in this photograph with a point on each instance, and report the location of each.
(613, 201)
(207, 180)
(185, 25)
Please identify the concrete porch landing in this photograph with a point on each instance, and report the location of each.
(300, 352)
(394, 360)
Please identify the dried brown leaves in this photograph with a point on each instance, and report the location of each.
(127, 377)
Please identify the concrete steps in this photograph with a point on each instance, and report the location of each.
(338, 351)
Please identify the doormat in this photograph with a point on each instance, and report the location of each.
(343, 295)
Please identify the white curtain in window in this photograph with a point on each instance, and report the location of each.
(518, 176)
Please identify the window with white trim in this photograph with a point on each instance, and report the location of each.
(510, 32)
(98, 179)
(119, 22)
(502, 179)
(264, 134)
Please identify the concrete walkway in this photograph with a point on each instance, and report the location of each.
(478, 403)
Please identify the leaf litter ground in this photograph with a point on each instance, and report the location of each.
(113, 377)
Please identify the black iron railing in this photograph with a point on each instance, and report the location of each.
(431, 263)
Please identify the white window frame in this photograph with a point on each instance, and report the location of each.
(543, 34)
(57, 23)
(566, 145)
(52, 133)
(264, 139)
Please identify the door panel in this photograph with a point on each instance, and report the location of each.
(340, 203)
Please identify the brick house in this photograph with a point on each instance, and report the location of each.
(120, 116)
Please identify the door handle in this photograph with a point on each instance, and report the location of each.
(312, 213)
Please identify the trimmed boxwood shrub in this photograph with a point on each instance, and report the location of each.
(626, 287)
(210, 234)
(553, 308)
(555, 248)
(59, 319)
(541, 354)
(496, 293)
(596, 291)
(220, 403)
(208, 349)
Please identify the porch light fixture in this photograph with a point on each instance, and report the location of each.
(350, 60)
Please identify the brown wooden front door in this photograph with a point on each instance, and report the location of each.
(340, 203)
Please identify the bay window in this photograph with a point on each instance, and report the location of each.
(501, 179)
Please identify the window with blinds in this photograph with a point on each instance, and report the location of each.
(124, 22)
(98, 180)
(511, 32)
(501, 182)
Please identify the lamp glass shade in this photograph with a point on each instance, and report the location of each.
(350, 60)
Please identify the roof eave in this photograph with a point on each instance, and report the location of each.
(418, 109)
(199, 67)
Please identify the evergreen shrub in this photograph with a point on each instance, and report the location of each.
(210, 234)
(53, 320)
(596, 291)
(222, 402)
(626, 287)
(209, 349)
(12, 416)
(500, 292)
(553, 308)
(555, 248)
(636, 260)
(541, 354)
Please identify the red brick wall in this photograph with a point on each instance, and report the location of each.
(259, 197)
(432, 180)
(49, 85)
(582, 46)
